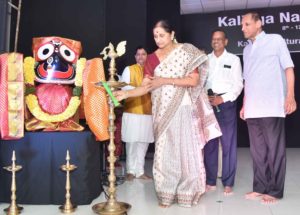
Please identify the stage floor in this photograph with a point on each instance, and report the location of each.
(142, 196)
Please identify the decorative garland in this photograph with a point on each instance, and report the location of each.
(32, 101)
(29, 74)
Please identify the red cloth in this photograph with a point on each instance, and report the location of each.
(53, 98)
(118, 139)
(150, 64)
(11, 116)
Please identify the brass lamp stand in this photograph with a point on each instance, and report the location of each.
(112, 206)
(13, 208)
(68, 207)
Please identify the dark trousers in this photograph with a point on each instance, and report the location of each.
(267, 146)
(227, 119)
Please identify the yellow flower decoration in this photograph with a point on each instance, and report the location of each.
(32, 101)
(79, 71)
(29, 74)
(33, 106)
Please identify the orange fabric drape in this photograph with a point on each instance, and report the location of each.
(95, 101)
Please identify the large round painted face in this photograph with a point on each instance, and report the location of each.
(162, 38)
(141, 56)
(55, 63)
(250, 27)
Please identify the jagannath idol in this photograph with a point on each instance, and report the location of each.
(55, 78)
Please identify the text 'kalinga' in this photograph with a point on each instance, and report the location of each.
(284, 17)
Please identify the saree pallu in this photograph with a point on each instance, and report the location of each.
(183, 123)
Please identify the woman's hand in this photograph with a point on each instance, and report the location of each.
(120, 94)
(155, 82)
(138, 91)
(146, 84)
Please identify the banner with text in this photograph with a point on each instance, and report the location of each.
(285, 21)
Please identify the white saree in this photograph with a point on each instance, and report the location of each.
(183, 122)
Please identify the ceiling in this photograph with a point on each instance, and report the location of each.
(210, 6)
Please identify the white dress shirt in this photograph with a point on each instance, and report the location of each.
(126, 78)
(265, 62)
(225, 75)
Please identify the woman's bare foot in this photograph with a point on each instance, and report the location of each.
(210, 188)
(163, 205)
(268, 200)
(129, 177)
(228, 191)
(253, 195)
(144, 177)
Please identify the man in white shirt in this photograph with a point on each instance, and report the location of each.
(225, 83)
(137, 128)
(269, 96)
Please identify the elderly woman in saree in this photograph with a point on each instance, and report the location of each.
(183, 119)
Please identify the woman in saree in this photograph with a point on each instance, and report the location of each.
(183, 119)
